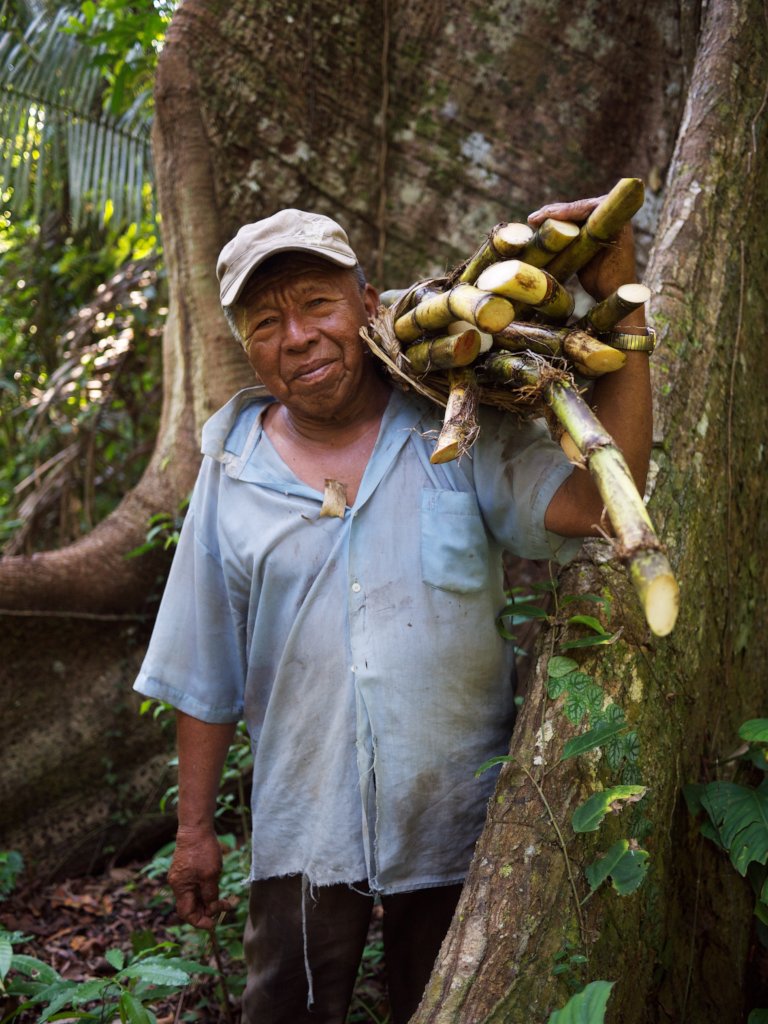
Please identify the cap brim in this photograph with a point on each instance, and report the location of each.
(232, 289)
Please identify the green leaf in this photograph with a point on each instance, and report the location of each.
(6, 955)
(578, 681)
(593, 696)
(86, 991)
(755, 730)
(118, 90)
(558, 667)
(758, 756)
(49, 70)
(575, 707)
(620, 748)
(758, 1017)
(624, 865)
(692, 794)
(502, 631)
(740, 815)
(156, 972)
(588, 641)
(522, 610)
(555, 687)
(544, 587)
(586, 1007)
(115, 957)
(144, 940)
(574, 682)
(34, 968)
(132, 1012)
(501, 759)
(194, 966)
(590, 622)
(709, 831)
(61, 993)
(585, 697)
(591, 740)
(631, 744)
(589, 816)
(629, 873)
(11, 866)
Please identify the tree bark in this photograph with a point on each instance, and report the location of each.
(363, 112)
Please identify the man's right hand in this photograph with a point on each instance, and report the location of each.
(194, 877)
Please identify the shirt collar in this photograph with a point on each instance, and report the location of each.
(231, 434)
(220, 438)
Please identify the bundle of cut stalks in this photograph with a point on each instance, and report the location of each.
(499, 330)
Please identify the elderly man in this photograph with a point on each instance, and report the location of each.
(359, 647)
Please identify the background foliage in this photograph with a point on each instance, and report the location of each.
(82, 291)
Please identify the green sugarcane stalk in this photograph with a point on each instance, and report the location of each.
(391, 296)
(526, 284)
(602, 226)
(639, 547)
(592, 357)
(550, 238)
(604, 316)
(520, 336)
(460, 427)
(446, 352)
(504, 242)
(484, 310)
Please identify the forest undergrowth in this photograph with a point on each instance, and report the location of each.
(71, 924)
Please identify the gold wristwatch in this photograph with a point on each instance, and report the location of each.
(643, 341)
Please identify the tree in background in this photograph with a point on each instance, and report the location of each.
(419, 126)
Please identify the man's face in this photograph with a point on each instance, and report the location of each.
(301, 329)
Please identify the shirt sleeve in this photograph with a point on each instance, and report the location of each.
(196, 657)
(517, 468)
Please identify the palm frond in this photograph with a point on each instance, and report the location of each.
(52, 121)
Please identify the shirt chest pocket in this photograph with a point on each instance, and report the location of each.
(454, 545)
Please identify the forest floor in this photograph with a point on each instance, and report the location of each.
(75, 925)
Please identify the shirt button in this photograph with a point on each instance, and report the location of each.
(356, 587)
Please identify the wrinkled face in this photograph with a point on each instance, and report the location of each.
(301, 329)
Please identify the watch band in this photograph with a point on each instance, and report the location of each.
(641, 342)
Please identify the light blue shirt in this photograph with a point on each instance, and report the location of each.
(361, 651)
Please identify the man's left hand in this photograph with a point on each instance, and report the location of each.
(613, 265)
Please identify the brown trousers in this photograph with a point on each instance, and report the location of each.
(294, 935)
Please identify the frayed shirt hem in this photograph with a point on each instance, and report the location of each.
(313, 881)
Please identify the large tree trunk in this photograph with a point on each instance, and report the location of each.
(419, 126)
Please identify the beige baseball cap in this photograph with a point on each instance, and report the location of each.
(282, 232)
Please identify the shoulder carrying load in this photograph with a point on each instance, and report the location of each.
(498, 330)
